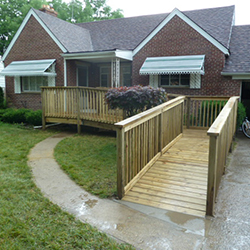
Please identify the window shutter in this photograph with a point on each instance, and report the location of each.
(195, 81)
(153, 81)
(17, 83)
(51, 81)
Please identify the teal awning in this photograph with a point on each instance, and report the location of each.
(30, 68)
(173, 65)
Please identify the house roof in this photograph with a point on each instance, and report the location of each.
(72, 37)
(239, 60)
(127, 33)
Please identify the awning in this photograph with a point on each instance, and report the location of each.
(29, 68)
(173, 65)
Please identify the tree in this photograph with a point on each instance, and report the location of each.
(12, 13)
(85, 10)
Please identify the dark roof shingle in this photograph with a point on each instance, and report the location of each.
(239, 59)
(72, 37)
(127, 33)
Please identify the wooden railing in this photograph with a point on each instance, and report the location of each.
(221, 134)
(201, 111)
(141, 140)
(77, 103)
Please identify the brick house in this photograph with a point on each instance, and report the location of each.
(198, 52)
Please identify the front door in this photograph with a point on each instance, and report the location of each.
(82, 76)
(245, 96)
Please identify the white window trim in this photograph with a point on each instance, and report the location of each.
(175, 86)
(194, 83)
(17, 83)
(18, 86)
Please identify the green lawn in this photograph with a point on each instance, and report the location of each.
(27, 219)
(90, 160)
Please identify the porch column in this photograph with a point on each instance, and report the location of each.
(115, 73)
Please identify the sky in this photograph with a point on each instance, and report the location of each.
(144, 7)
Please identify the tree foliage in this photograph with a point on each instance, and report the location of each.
(135, 99)
(12, 13)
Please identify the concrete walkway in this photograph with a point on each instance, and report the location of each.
(146, 227)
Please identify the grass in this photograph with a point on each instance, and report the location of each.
(90, 160)
(27, 219)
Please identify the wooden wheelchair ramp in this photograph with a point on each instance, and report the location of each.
(178, 180)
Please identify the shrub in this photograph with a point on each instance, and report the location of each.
(241, 114)
(15, 115)
(135, 99)
(34, 117)
(26, 116)
(2, 103)
(2, 111)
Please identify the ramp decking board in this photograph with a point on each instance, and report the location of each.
(178, 179)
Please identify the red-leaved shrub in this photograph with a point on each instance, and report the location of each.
(135, 99)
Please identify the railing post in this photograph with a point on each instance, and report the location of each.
(78, 111)
(212, 171)
(182, 116)
(161, 132)
(43, 110)
(188, 112)
(120, 134)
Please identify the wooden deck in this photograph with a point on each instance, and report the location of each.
(178, 180)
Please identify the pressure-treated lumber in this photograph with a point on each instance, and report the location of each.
(178, 179)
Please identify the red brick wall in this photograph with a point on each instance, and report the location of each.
(178, 38)
(33, 43)
(71, 73)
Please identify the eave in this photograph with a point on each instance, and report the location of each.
(99, 55)
(237, 75)
(25, 21)
(178, 13)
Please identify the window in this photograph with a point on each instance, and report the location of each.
(105, 76)
(181, 80)
(126, 75)
(33, 83)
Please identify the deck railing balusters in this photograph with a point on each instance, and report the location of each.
(141, 139)
(65, 103)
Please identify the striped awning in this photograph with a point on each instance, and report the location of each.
(173, 65)
(29, 68)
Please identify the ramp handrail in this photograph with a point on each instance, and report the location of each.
(141, 140)
(221, 134)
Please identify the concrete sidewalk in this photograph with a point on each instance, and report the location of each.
(146, 227)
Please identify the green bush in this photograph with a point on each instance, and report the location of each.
(26, 116)
(2, 111)
(135, 99)
(241, 114)
(15, 115)
(2, 103)
(34, 117)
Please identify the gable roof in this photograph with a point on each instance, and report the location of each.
(239, 60)
(128, 33)
(70, 35)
